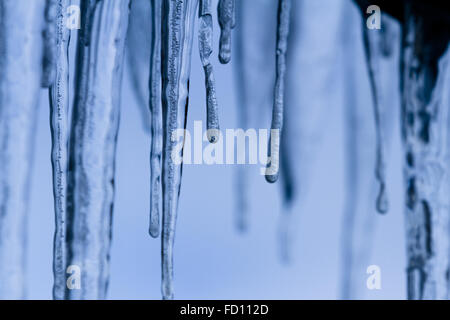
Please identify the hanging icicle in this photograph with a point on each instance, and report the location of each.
(205, 37)
(284, 13)
(371, 40)
(20, 78)
(157, 121)
(93, 144)
(177, 34)
(59, 110)
(359, 221)
(227, 20)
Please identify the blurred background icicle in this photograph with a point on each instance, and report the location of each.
(178, 21)
(157, 121)
(59, 113)
(359, 219)
(20, 78)
(372, 46)
(93, 143)
(254, 63)
(138, 50)
(425, 120)
(312, 69)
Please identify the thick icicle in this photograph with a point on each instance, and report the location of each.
(425, 126)
(50, 46)
(371, 39)
(157, 121)
(93, 143)
(205, 37)
(227, 19)
(138, 51)
(178, 18)
(284, 12)
(59, 109)
(20, 77)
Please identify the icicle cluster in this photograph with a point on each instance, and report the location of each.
(83, 149)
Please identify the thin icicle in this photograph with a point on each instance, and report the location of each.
(205, 47)
(177, 35)
(20, 77)
(227, 21)
(359, 221)
(157, 121)
(50, 45)
(59, 108)
(93, 143)
(284, 13)
(373, 55)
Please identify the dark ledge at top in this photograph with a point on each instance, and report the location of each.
(432, 9)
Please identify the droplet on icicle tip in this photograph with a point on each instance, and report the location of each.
(213, 135)
(382, 203)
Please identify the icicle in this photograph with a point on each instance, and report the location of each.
(51, 12)
(373, 54)
(205, 48)
(157, 121)
(138, 48)
(20, 77)
(177, 35)
(284, 12)
(226, 15)
(359, 221)
(93, 142)
(425, 132)
(59, 108)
